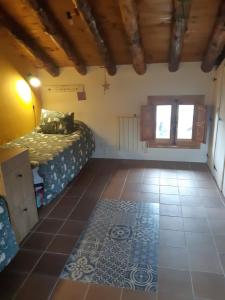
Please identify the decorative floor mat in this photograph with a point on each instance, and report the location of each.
(119, 246)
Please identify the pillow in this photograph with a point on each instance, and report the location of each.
(54, 122)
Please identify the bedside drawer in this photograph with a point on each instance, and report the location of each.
(19, 186)
(23, 220)
(16, 184)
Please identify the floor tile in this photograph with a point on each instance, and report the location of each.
(70, 201)
(24, 261)
(216, 213)
(170, 174)
(222, 259)
(164, 296)
(150, 188)
(208, 286)
(120, 174)
(196, 225)
(51, 264)
(45, 210)
(174, 258)
(188, 191)
(170, 199)
(150, 197)
(170, 210)
(199, 241)
(137, 295)
(69, 290)
(168, 181)
(113, 189)
(151, 173)
(133, 187)
(37, 287)
(75, 191)
(83, 211)
(193, 212)
(204, 260)
(111, 193)
(174, 284)
(220, 243)
(116, 182)
(137, 178)
(140, 196)
(10, 283)
(172, 238)
(97, 292)
(192, 201)
(204, 192)
(169, 190)
(49, 226)
(195, 183)
(211, 202)
(73, 228)
(217, 226)
(150, 180)
(130, 196)
(171, 223)
(203, 174)
(62, 244)
(61, 211)
(37, 241)
(185, 175)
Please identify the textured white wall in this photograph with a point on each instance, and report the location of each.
(128, 91)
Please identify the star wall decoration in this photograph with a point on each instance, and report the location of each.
(106, 84)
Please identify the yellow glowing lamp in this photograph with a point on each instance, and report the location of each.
(34, 81)
(24, 91)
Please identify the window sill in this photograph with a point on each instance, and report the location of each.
(194, 146)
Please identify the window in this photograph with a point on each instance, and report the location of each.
(174, 121)
(185, 122)
(163, 121)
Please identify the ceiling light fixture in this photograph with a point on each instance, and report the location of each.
(33, 81)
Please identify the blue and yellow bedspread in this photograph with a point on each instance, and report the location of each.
(8, 244)
(59, 157)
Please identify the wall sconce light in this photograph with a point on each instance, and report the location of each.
(23, 91)
(33, 81)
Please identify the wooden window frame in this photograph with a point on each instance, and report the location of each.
(175, 101)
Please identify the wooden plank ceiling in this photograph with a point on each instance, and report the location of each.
(83, 33)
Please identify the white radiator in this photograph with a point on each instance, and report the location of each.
(129, 135)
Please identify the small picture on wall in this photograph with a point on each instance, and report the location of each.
(79, 89)
(81, 93)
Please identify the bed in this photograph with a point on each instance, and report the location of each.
(8, 244)
(56, 158)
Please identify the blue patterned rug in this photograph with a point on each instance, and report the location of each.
(119, 246)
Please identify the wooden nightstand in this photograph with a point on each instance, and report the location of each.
(16, 185)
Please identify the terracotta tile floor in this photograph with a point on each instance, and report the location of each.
(192, 233)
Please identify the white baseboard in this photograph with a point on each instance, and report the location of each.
(185, 155)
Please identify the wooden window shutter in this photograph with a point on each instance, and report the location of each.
(147, 122)
(200, 123)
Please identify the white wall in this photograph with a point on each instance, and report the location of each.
(128, 91)
(217, 145)
(217, 93)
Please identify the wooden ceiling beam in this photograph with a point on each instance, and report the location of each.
(179, 27)
(85, 12)
(129, 13)
(28, 42)
(57, 33)
(216, 43)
